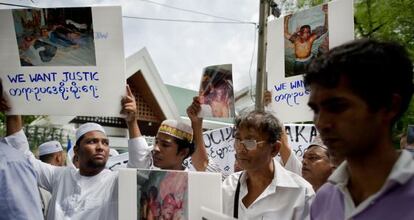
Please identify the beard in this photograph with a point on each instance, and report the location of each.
(96, 164)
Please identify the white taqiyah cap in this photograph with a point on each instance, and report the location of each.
(87, 127)
(113, 152)
(50, 147)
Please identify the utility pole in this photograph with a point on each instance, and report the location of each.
(261, 78)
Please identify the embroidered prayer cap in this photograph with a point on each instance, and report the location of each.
(87, 127)
(50, 147)
(176, 129)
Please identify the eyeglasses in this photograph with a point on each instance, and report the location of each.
(248, 144)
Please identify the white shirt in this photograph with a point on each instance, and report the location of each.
(288, 196)
(402, 170)
(293, 164)
(143, 153)
(75, 196)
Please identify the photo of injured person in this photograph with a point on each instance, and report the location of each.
(55, 36)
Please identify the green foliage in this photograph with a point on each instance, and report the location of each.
(27, 119)
(391, 20)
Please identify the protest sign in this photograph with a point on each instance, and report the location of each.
(293, 42)
(162, 194)
(220, 144)
(62, 61)
(216, 92)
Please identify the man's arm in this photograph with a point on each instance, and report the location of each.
(139, 151)
(200, 157)
(289, 159)
(129, 109)
(289, 36)
(321, 30)
(18, 140)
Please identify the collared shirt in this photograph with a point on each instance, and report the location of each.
(19, 197)
(75, 196)
(144, 157)
(288, 196)
(393, 201)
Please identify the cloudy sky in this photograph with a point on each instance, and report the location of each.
(180, 50)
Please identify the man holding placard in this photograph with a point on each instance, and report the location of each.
(358, 91)
(90, 192)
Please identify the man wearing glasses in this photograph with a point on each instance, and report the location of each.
(264, 190)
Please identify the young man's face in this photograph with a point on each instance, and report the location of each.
(305, 33)
(255, 158)
(347, 125)
(165, 154)
(93, 150)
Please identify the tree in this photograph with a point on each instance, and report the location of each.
(390, 20)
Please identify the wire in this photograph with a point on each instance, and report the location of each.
(191, 11)
(17, 5)
(189, 21)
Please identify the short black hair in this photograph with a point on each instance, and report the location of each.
(305, 26)
(263, 121)
(183, 144)
(374, 70)
(47, 157)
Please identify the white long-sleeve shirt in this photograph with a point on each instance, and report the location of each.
(75, 196)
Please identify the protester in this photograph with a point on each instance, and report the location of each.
(90, 192)
(264, 190)
(357, 92)
(50, 152)
(19, 197)
(317, 165)
(173, 144)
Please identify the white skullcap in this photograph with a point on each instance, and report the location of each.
(113, 152)
(87, 127)
(50, 147)
(176, 129)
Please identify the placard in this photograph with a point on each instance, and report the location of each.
(63, 61)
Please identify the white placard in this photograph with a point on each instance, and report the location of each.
(158, 193)
(288, 53)
(63, 61)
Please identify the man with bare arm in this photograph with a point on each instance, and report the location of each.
(303, 40)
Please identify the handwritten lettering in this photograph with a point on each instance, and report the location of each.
(80, 76)
(43, 77)
(68, 88)
(100, 35)
(297, 84)
(18, 78)
(282, 86)
(291, 98)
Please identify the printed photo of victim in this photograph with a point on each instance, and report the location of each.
(55, 36)
(216, 92)
(163, 195)
(306, 37)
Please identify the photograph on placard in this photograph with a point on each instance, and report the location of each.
(216, 93)
(55, 36)
(306, 37)
(162, 195)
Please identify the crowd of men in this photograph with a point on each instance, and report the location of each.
(357, 92)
